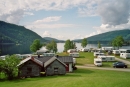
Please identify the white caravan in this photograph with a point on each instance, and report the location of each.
(48, 54)
(98, 53)
(107, 48)
(116, 52)
(74, 54)
(106, 58)
(84, 50)
(97, 62)
(125, 53)
(72, 50)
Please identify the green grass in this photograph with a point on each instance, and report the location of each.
(85, 58)
(79, 78)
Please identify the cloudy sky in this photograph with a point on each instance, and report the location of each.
(67, 19)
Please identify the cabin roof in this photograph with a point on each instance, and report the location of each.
(51, 60)
(31, 58)
(65, 59)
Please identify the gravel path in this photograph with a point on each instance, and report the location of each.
(105, 68)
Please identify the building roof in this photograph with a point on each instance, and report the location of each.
(65, 59)
(31, 58)
(51, 60)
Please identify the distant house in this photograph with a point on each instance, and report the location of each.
(40, 52)
(68, 60)
(30, 67)
(33, 66)
(55, 67)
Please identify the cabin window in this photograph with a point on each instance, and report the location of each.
(29, 69)
(103, 58)
(56, 69)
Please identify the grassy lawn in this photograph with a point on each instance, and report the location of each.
(122, 58)
(79, 78)
(86, 58)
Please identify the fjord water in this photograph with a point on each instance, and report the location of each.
(24, 49)
(60, 46)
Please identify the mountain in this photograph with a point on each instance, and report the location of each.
(16, 39)
(11, 33)
(50, 39)
(108, 36)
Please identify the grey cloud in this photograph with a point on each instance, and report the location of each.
(13, 17)
(114, 12)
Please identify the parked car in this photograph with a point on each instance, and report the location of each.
(119, 65)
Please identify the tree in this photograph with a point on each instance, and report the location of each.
(52, 46)
(9, 66)
(84, 42)
(118, 42)
(36, 45)
(114, 43)
(69, 45)
(99, 45)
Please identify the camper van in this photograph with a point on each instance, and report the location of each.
(124, 53)
(84, 50)
(116, 52)
(106, 58)
(74, 54)
(72, 50)
(107, 48)
(98, 53)
(48, 54)
(97, 62)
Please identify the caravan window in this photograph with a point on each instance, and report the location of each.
(98, 61)
(128, 51)
(103, 58)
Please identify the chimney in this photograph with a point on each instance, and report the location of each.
(57, 56)
(32, 58)
(38, 56)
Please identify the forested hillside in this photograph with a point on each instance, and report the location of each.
(50, 39)
(16, 39)
(109, 36)
(11, 33)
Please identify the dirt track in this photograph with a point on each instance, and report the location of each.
(104, 68)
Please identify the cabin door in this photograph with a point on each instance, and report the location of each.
(67, 68)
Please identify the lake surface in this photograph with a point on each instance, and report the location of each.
(24, 49)
(60, 46)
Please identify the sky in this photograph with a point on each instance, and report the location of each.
(67, 19)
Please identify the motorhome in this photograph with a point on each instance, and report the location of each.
(116, 52)
(97, 62)
(84, 50)
(72, 50)
(98, 53)
(74, 54)
(106, 58)
(48, 54)
(107, 48)
(23, 56)
(124, 53)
